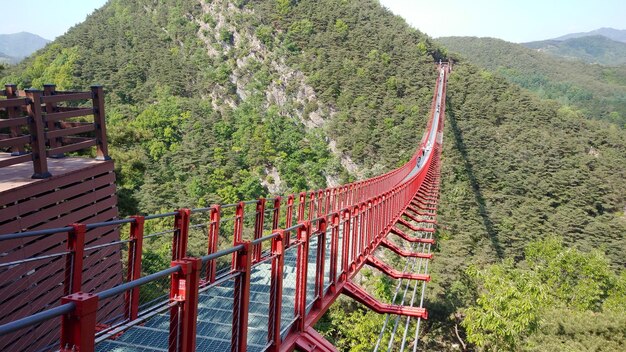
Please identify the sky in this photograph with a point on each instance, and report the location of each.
(514, 21)
(46, 18)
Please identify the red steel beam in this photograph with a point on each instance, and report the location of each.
(411, 239)
(414, 218)
(358, 294)
(388, 244)
(415, 228)
(396, 274)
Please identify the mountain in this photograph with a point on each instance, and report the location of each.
(5, 59)
(595, 90)
(595, 49)
(17, 46)
(220, 101)
(611, 33)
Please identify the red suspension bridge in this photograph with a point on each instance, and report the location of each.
(251, 276)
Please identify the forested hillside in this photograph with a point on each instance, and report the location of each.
(599, 92)
(216, 101)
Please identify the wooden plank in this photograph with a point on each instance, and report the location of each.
(69, 131)
(107, 207)
(20, 121)
(72, 147)
(15, 141)
(31, 190)
(65, 97)
(10, 103)
(16, 160)
(69, 124)
(56, 116)
(67, 206)
(36, 203)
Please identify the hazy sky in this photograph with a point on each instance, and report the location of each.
(47, 18)
(516, 21)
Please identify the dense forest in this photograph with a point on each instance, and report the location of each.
(599, 92)
(216, 101)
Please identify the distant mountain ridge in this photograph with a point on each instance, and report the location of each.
(595, 49)
(611, 33)
(15, 47)
(606, 46)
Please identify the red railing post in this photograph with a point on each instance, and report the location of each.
(276, 213)
(334, 249)
(319, 268)
(289, 212)
(356, 221)
(241, 294)
(237, 231)
(213, 237)
(74, 262)
(183, 316)
(181, 234)
(276, 291)
(258, 228)
(38, 137)
(311, 205)
(302, 264)
(345, 248)
(102, 150)
(301, 207)
(135, 250)
(78, 328)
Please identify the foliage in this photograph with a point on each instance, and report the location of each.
(204, 98)
(515, 305)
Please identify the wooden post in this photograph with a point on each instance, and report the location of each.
(36, 127)
(13, 112)
(50, 89)
(102, 151)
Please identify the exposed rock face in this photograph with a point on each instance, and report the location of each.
(287, 89)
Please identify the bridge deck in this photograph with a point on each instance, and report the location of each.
(215, 312)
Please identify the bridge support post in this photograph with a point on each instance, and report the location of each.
(345, 248)
(276, 291)
(183, 316)
(238, 231)
(74, 263)
(181, 234)
(258, 228)
(134, 265)
(241, 304)
(78, 328)
(319, 268)
(276, 213)
(214, 232)
(334, 250)
(301, 274)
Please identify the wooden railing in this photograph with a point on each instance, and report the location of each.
(36, 125)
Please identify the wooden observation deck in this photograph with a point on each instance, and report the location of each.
(54, 171)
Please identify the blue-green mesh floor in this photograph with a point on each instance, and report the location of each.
(215, 312)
